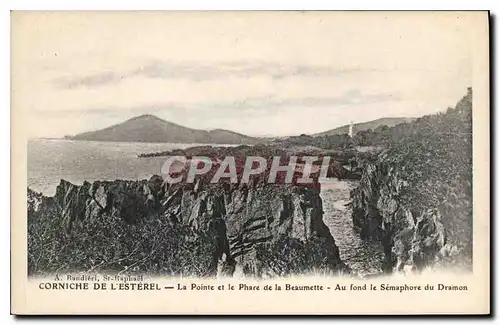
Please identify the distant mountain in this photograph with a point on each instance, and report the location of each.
(149, 128)
(389, 121)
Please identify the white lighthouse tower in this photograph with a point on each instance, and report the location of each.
(351, 129)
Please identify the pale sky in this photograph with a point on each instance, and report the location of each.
(254, 73)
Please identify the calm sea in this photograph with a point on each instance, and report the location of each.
(49, 161)
(363, 256)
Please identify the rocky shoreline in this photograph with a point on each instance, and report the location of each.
(248, 227)
(416, 199)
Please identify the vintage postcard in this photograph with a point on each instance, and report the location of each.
(194, 163)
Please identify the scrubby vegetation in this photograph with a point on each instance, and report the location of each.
(335, 141)
(436, 156)
(289, 256)
(109, 244)
(425, 173)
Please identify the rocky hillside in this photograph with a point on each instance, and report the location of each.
(149, 128)
(417, 198)
(142, 227)
(371, 125)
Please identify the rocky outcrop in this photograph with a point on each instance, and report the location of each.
(413, 236)
(417, 198)
(241, 217)
(128, 200)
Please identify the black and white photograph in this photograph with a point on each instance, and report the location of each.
(259, 146)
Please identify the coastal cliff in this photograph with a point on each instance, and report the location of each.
(417, 197)
(140, 226)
